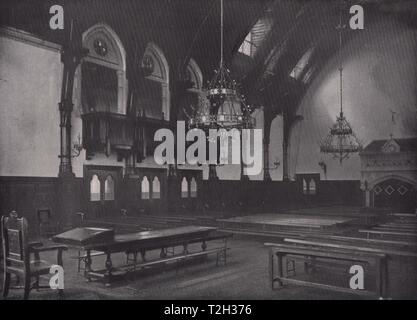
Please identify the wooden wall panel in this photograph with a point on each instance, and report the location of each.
(26, 195)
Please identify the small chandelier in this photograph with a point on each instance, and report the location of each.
(222, 106)
(341, 141)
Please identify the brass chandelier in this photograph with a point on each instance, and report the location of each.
(222, 106)
(341, 141)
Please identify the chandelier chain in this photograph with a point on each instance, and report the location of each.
(221, 34)
(341, 140)
(340, 30)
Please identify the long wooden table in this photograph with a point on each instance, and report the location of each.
(131, 243)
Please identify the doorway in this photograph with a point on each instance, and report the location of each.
(398, 195)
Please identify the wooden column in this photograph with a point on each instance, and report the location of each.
(69, 187)
(243, 176)
(212, 173)
(285, 145)
(71, 56)
(268, 118)
(179, 89)
(288, 121)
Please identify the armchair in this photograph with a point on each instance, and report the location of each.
(17, 257)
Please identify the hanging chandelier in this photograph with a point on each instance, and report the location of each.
(222, 105)
(341, 141)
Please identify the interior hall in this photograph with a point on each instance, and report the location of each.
(307, 188)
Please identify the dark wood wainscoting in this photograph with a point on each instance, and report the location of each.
(103, 190)
(146, 191)
(28, 194)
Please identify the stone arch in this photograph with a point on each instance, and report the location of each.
(196, 76)
(394, 192)
(117, 58)
(375, 182)
(114, 58)
(160, 74)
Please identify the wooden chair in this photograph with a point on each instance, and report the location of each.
(17, 253)
(47, 227)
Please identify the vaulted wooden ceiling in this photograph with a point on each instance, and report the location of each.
(191, 28)
(300, 26)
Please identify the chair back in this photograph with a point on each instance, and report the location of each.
(15, 244)
(44, 216)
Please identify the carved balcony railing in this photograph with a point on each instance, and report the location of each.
(105, 132)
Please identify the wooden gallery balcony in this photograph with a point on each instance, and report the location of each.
(106, 132)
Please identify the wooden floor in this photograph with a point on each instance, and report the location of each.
(246, 274)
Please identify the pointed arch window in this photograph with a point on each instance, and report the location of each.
(246, 45)
(305, 186)
(156, 188)
(184, 188)
(102, 76)
(193, 188)
(257, 34)
(95, 188)
(152, 97)
(312, 187)
(145, 192)
(109, 188)
(194, 74)
(194, 95)
(299, 68)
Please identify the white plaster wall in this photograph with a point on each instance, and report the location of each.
(29, 119)
(232, 171)
(379, 75)
(99, 157)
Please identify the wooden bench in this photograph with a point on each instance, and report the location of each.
(394, 229)
(382, 233)
(361, 241)
(398, 226)
(404, 215)
(221, 252)
(279, 251)
(353, 248)
(405, 222)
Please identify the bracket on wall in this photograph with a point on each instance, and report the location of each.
(77, 147)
